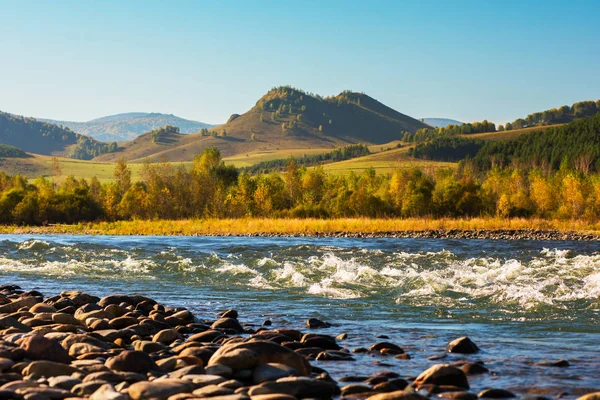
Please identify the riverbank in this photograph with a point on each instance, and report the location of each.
(77, 345)
(475, 228)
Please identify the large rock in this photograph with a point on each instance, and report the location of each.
(159, 389)
(228, 323)
(590, 396)
(397, 395)
(108, 392)
(462, 345)
(79, 298)
(236, 359)
(166, 336)
(443, 374)
(79, 349)
(14, 306)
(299, 387)
(212, 391)
(48, 369)
(41, 348)
(132, 361)
(268, 352)
(10, 322)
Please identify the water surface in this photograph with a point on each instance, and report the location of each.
(520, 301)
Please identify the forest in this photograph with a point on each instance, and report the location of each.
(211, 189)
(576, 144)
(35, 136)
(340, 154)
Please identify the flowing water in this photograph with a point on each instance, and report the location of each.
(522, 302)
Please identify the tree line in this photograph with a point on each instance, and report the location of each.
(212, 189)
(339, 154)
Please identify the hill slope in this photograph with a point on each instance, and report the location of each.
(38, 137)
(284, 118)
(128, 126)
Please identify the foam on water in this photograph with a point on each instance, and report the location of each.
(547, 279)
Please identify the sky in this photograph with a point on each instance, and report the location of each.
(205, 60)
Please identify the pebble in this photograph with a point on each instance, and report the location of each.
(128, 347)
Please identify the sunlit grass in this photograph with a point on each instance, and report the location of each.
(267, 226)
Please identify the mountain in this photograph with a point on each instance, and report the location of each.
(34, 136)
(128, 126)
(440, 122)
(284, 118)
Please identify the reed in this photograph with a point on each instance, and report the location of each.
(268, 226)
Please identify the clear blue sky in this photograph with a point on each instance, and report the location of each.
(204, 60)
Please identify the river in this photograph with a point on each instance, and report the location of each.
(522, 302)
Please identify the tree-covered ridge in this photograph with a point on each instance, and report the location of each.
(339, 154)
(554, 116)
(447, 148)
(212, 189)
(451, 130)
(577, 144)
(348, 114)
(38, 137)
(9, 151)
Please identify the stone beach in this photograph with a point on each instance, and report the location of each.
(76, 345)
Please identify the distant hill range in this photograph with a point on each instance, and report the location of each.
(440, 122)
(284, 118)
(34, 136)
(128, 126)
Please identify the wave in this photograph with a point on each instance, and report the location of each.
(548, 279)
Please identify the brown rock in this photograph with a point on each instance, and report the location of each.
(443, 374)
(206, 336)
(228, 323)
(496, 394)
(48, 369)
(159, 389)
(123, 322)
(274, 396)
(41, 348)
(15, 305)
(212, 391)
(167, 336)
(132, 361)
(300, 387)
(268, 352)
(462, 345)
(590, 396)
(108, 392)
(398, 395)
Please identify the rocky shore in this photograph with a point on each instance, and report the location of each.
(76, 345)
(501, 234)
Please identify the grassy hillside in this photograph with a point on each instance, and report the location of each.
(126, 127)
(38, 137)
(35, 165)
(385, 161)
(284, 119)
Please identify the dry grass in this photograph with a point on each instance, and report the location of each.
(266, 226)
